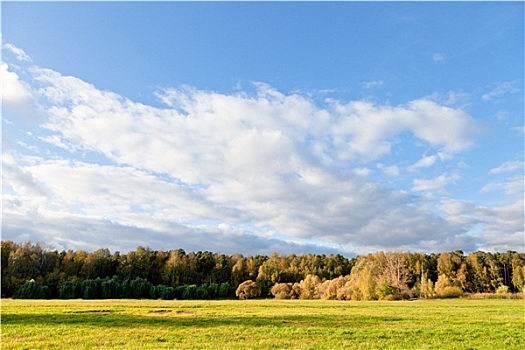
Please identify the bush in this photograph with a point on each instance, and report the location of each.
(387, 292)
(162, 292)
(496, 296)
(213, 290)
(31, 290)
(309, 287)
(451, 292)
(282, 291)
(90, 289)
(224, 290)
(168, 293)
(89, 293)
(139, 288)
(503, 289)
(248, 289)
(190, 292)
(69, 290)
(45, 292)
(111, 288)
(202, 293)
(178, 292)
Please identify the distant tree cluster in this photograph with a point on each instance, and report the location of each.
(403, 275)
(36, 271)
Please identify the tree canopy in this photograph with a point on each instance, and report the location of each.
(37, 271)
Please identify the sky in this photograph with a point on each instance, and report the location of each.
(234, 127)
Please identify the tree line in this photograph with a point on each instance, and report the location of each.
(38, 271)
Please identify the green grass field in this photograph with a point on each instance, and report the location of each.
(263, 324)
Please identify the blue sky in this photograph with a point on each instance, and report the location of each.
(343, 127)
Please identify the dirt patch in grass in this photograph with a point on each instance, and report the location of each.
(183, 312)
(163, 311)
(93, 312)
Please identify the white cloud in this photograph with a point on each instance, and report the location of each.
(365, 130)
(425, 162)
(19, 53)
(434, 184)
(507, 87)
(504, 226)
(512, 186)
(508, 167)
(14, 91)
(372, 84)
(498, 228)
(364, 172)
(392, 170)
(267, 162)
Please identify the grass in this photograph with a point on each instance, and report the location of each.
(262, 324)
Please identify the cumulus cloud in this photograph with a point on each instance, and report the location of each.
(265, 164)
(365, 130)
(434, 184)
(354, 130)
(497, 228)
(503, 226)
(16, 94)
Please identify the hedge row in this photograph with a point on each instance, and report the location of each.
(114, 288)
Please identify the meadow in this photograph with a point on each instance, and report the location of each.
(263, 324)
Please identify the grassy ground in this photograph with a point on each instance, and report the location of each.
(262, 324)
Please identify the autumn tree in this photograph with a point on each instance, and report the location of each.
(309, 287)
(394, 274)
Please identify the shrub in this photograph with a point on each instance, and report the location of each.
(248, 289)
(168, 293)
(387, 291)
(224, 290)
(45, 292)
(202, 293)
(451, 292)
(503, 289)
(309, 287)
(162, 292)
(178, 292)
(334, 285)
(139, 288)
(190, 292)
(213, 290)
(111, 288)
(69, 290)
(89, 293)
(90, 289)
(496, 296)
(282, 290)
(31, 290)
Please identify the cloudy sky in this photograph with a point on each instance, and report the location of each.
(261, 127)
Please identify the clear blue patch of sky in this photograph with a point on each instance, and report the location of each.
(133, 48)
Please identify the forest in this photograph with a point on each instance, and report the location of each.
(36, 271)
